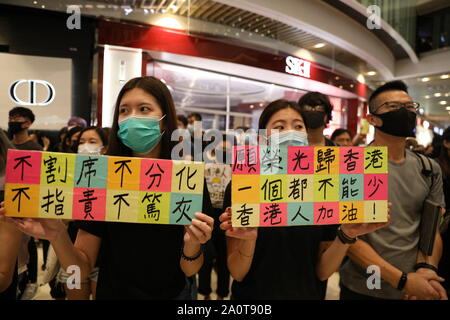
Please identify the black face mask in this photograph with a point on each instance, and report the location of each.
(399, 123)
(314, 119)
(15, 127)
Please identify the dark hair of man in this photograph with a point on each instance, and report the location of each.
(182, 119)
(67, 139)
(273, 108)
(22, 112)
(338, 132)
(315, 98)
(389, 86)
(161, 93)
(197, 116)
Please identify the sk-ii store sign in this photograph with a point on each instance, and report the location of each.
(298, 67)
(32, 87)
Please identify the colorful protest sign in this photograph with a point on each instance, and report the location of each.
(291, 186)
(102, 188)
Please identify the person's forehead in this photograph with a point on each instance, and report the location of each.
(393, 95)
(286, 114)
(343, 135)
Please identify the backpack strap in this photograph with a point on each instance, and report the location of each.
(427, 167)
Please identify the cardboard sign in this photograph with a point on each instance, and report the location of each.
(290, 186)
(102, 188)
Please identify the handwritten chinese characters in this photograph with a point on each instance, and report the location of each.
(292, 186)
(102, 188)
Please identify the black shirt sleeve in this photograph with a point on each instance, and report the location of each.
(207, 207)
(97, 228)
(227, 197)
(329, 232)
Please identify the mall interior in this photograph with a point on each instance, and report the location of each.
(225, 60)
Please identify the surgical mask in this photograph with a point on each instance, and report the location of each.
(400, 123)
(289, 138)
(314, 119)
(15, 127)
(89, 148)
(140, 133)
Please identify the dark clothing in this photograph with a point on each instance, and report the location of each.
(347, 294)
(215, 256)
(444, 264)
(29, 145)
(330, 143)
(140, 261)
(284, 263)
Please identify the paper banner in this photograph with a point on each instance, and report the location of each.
(293, 186)
(102, 188)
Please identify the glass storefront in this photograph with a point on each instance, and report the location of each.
(229, 102)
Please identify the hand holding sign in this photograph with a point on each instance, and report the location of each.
(242, 233)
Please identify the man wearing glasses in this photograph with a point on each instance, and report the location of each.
(405, 272)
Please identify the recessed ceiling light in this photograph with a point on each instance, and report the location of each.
(425, 79)
(427, 97)
(445, 76)
(252, 106)
(43, 7)
(437, 95)
(442, 102)
(34, 2)
(371, 73)
(319, 45)
(448, 108)
(261, 104)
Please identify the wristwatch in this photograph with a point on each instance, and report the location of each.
(345, 239)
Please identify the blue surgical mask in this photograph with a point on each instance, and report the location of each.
(140, 133)
(289, 138)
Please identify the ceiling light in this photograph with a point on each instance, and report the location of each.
(34, 2)
(427, 97)
(128, 11)
(319, 45)
(425, 79)
(448, 108)
(252, 106)
(371, 73)
(445, 76)
(437, 95)
(443, 102)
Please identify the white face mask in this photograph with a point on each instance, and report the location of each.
(289, 138)
(89, 148)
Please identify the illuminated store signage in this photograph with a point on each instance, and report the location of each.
(33, 86)
(298, 67)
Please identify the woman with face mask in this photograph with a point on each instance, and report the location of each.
(284, 263)
(92, 140)
(138, 261)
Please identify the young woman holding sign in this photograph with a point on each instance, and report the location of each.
(285, 262)
(138, 261)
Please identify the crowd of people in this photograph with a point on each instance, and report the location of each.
(264, 263)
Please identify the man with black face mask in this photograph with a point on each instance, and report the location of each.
(316, 112)
(404, 271)
(20, 120)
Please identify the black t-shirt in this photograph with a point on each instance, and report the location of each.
(284, 262)
(140, 261)
(330, 143)
(29, 145)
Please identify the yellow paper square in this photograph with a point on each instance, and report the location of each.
(188, 177)
(245, 214)
(29, 200)
(55, 202)
(124, 173)
(245, 188)
(351, 212)
(375, 211)
(326, 188)
(326, 160)
(57, 169)
(122, 205)
(300, 188)
(154, 207)
(273, 188)
(375, 160)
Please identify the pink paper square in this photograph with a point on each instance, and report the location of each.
(300, 160)
(276, 214)
(376, 187)
(348, 162)
(23, 167)
(326, 213)
(245, 160)
(156, 175)
(86, 209)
